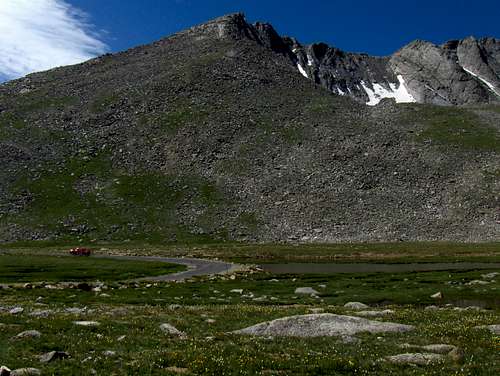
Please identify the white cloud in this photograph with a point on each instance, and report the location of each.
(37, 35)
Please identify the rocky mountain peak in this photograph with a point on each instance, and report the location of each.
(458, 72)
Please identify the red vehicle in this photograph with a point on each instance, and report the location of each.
(80, 252)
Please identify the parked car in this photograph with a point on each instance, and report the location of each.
(80, 252)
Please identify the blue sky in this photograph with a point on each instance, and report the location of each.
(375, 27)
(41, 34)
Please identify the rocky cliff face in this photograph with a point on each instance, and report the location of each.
(213, 133)
(456, 73)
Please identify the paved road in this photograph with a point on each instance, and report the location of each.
(196, 267)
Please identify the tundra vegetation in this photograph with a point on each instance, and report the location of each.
(125, 333)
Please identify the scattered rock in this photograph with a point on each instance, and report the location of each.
(4, 371)
(121, 338)
(490, 275)
(53, 355)
(237, 291)
(26, 372)
(86, 323)
(438, 295)
(495, 329)
(322, 325)
(357, 306)
(416, 358)
(177, 370)
(16, 310)
(109, 353)
(28, 334)
(171, 331)
(375, 313)
(306, 291)
(477, 282)
(76, 311)
(439, 348)
(41, 314)
(432, 308)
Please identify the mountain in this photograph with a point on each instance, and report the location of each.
(214, 134)
(456, 73)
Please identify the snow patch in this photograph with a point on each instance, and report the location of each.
(302, 70)
(310, 61)
(487, 83)
(398, 92)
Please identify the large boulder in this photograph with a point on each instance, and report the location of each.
(322, 325)
(417, 359)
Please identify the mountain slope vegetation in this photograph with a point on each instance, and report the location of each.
(211, 134)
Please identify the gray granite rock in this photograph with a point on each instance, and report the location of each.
(322, 325)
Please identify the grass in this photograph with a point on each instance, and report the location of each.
(248, 253)
(90, 199)
(17, 269)
(458, 127)
(130, 316)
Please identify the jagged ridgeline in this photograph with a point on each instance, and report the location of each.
(214, 134)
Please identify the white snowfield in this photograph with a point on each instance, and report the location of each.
(398, 92)
(489, 84)
(302, 70)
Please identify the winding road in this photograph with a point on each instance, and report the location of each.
(195, 267)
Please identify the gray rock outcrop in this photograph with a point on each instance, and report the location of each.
(423, 359)
(322, 325)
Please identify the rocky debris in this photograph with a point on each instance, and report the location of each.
(383, 313)
(41, 313)
(53, 355)
(438, 295)
(16, 311)
(306, 291)
(435, 348)
(86, 323)
(495, 329)
(236, 291)
(178, 370)
(490, 275)
(477, 282)
(109, 353)
(27, 334)
(356, 306)
(322, 325)
(439, 348)
(26, 372)
(171, 331)
(423, 359)
(4, 371)
(76, 310)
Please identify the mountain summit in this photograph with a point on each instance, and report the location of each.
(459, 72)
(214, 133)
